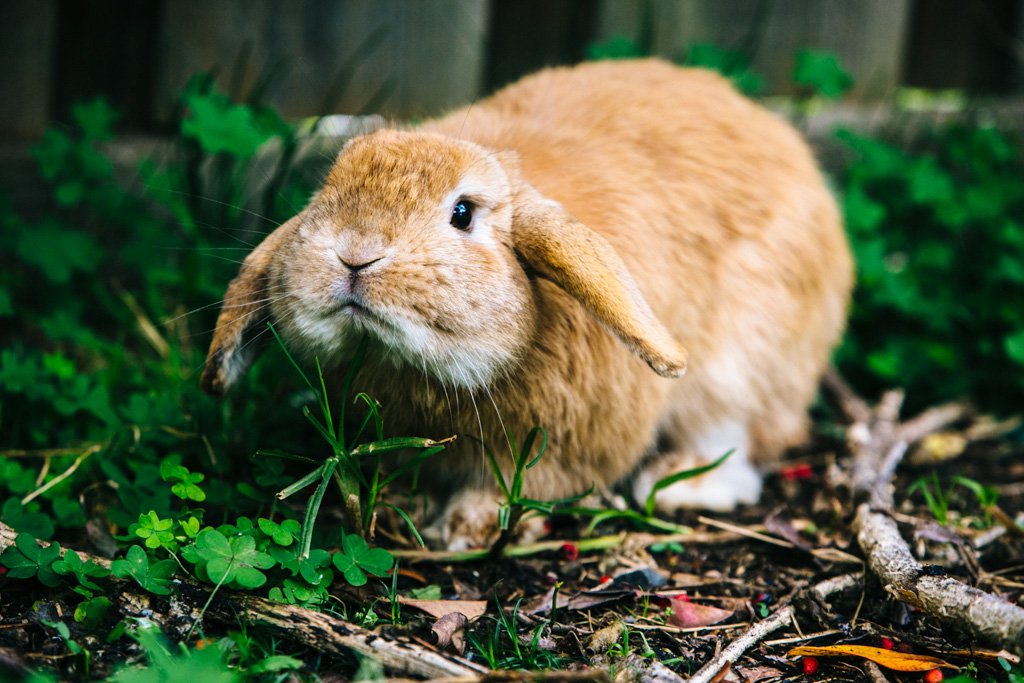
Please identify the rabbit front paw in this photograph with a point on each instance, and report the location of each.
(470, 520)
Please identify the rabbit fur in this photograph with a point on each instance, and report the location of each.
(618, 210)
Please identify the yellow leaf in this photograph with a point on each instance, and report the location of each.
(890, 659)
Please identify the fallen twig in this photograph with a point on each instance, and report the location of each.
(757, 632)
(327, 633)
(879, 441)
(636, 539)
(92, 450)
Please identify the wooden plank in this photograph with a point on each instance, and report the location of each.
(867, 35)
(26, 47)
(397, 57)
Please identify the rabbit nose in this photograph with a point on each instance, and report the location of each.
(358, 262)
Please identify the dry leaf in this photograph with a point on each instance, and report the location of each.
(450, 630)
(939, 447)
(577, 601)
(890, 659)
(692, 615)
(473, 609)
(988, 655)
(604, 638)
(753, 674)
(780, 523)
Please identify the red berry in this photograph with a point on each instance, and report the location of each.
(810, 665)
(796, 472)
(887, 643)
(570, 552)
(933, 676)
(682, 596)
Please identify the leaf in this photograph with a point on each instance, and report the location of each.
(1014, 346)
(356, 560)
(278, 532)
(276, 663)
(154, 577)
(235, 561)
(93, 613)
(96, 118)
(890, 659)
(693, 615)
(221, 126)
(212, 544)
(821, 72)
(449, 630)
(26, 559)
(58, 251)
(83, 571)
(681, 476)
(472, 609)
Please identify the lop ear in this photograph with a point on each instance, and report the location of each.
(237, 339)
(586, 266)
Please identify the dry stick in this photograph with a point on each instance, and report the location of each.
(318, 630)
(326, 633)
(756, 633)
(878, 445)
(92, 450)
(984, 616)
(583, 545)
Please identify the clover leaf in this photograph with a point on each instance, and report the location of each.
(26, 558)
(821, 72)
(235, 561)
(154, 577)
(283, 533)
(84, 571)
(155, 532)
(185, 483)
(356, 560)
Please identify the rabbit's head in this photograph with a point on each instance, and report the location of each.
(428, 244)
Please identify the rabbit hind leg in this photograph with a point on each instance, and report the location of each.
(735, 481)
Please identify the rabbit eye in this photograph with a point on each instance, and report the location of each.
(462, 215)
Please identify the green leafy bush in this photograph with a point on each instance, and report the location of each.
(938, 234)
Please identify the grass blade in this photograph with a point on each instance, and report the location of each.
(681, 476)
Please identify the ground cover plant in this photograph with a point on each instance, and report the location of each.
(205, 523)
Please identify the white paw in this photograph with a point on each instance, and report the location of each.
(736, 481)
(470, 520)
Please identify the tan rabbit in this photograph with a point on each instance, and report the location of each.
(516, 262)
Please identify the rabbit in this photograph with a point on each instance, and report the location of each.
(559, 254)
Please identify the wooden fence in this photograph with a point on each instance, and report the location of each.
(408, 58)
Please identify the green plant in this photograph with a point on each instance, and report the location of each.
(356, 560)
(153, 576)
(515, 504)
(937, 229)
(205, 664)
(987, 496)
(935, 497)
(821, 74)
(360, 493)
(84, 571)
(646, 518)
(73, 646)
(503, 647)
(233, 562)
(27, 559)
